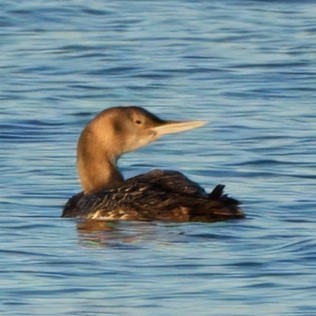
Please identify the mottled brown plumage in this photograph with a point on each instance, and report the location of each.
(156, 195)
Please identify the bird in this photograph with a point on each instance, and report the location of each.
(158, 195)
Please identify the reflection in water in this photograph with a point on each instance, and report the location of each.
(94, 233)
(133, 234)
(88, 226)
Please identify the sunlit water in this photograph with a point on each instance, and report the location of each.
(248, 67)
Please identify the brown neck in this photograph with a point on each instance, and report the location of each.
(96, 175)
(97, 169)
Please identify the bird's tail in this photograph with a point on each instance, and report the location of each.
(218, 207)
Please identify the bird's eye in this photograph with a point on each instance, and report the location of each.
(138, 122)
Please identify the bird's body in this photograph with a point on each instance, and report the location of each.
(156, 195)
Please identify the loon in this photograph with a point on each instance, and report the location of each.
(159, 195)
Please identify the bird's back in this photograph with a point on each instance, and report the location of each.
(156, 195)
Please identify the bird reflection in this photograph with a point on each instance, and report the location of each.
(97, 233)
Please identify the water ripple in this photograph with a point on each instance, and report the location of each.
(248, 68)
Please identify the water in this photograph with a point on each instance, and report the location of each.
(248, 67)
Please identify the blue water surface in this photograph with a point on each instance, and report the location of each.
(247, 67)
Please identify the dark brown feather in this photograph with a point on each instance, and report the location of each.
(156, 195)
